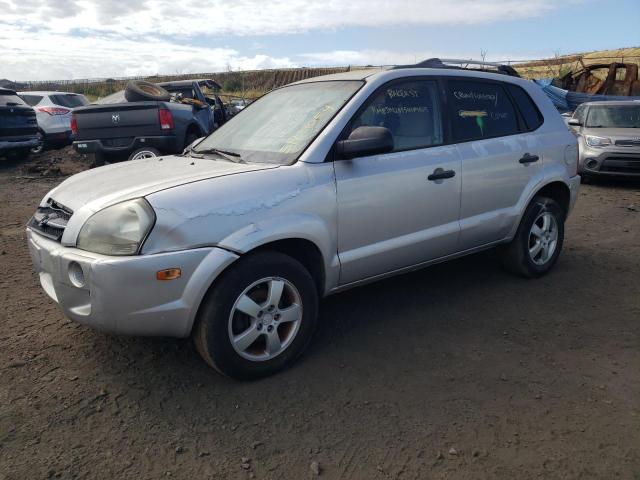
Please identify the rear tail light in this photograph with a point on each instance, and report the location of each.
(74, 125)
(166, 120)
(54, 110)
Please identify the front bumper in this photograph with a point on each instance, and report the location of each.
(610, 161)
(121, 294)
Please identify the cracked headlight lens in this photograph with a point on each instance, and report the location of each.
(117, 230)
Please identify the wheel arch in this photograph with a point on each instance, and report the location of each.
(558, 191)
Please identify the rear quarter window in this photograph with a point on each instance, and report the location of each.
(32, 100)
(9, 100)
(530, 113)
(480, 110)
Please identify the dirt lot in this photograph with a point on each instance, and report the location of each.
(460, 371)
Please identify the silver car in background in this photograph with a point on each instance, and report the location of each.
(53, 111)
(316, 187)
(608, 138)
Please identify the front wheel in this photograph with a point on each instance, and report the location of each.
(538, 241)
(258, 318)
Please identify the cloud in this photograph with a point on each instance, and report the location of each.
(259, 17)
(57, 39)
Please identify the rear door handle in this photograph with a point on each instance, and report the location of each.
(528, 158)
(440, 174)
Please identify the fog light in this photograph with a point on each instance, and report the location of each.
(169, 274)
(76, 275)
(591, 163)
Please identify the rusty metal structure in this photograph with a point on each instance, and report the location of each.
(604, 79)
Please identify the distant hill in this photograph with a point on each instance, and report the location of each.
(251, 84)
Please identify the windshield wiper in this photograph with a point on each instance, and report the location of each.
(231, 156)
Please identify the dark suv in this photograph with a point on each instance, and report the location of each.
(18, 126)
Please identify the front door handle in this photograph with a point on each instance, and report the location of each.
(440, 174)
(528, 158)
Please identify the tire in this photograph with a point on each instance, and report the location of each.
(144, 152)
(42, 144)
(140, 91)
(517, 256)
(219, 317)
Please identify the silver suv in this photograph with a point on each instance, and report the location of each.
(608, 138)
(315, 188)
(53, 110)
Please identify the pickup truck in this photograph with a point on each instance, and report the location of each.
(18, 126)
(156, 123)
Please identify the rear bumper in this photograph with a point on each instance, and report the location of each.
(29, 142)
(165, 143)
(62, 138)
(121, 294)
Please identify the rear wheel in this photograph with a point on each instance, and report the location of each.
(258, 318)
(538, 241)
(144, 152)
(41, 147)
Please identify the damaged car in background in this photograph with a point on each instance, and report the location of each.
(147, 120)
(608, 138)
(18, 126)
(317, 187)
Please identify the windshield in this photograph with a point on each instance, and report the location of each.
(615, 116)
(279, 126)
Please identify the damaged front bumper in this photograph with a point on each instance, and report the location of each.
(121, 294)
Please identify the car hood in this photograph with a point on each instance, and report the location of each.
(613, 133)
(100, 187)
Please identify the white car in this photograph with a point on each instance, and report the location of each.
(53, 111)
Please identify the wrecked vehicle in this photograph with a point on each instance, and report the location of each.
(608, 138)
(18, 126)
(604, 79)
(316, 187)
(147, 120)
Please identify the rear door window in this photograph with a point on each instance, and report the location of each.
(69, 101)
(480, 110)
(409, 109)
(32, 100)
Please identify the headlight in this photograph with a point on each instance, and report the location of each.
(594, 141)
(117, 230)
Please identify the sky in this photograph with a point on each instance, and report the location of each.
(67, 39)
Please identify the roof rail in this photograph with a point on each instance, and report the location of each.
(462, 64)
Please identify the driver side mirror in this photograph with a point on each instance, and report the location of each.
(574, 122)
(365, 141)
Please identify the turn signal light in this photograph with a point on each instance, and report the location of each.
(169, 274)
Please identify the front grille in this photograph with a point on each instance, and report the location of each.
(51, 220)
(621, 165)
(628, 143)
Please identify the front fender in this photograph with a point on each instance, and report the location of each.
(302, 226)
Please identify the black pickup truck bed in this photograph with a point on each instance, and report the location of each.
(115, 127)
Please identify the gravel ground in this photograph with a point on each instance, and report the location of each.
(458, 371)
